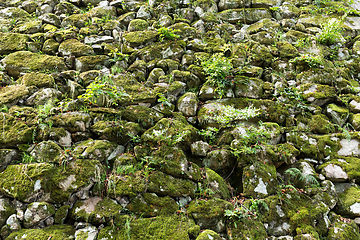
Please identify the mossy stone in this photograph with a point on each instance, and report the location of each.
(116, 132)
(12, 42)
(61, 214)
(95, 149)
(156, 228)
(77, 20)
(208, 235)
(209, 214)
(55, 232)
(14, 131)
(24, 61)
(95, 210)
(47, 151)
(146, 117)
(151, 205)
(217, 184)
(73, 121)
(11, 94)
(138, 38)
(39, 80)
(23, 186)
(74, 47)
(137, 25)
(161, 183)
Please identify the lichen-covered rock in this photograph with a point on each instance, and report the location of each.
(73, 47)
(12, 94)
(6, 210)
(139, 38)
(342, 228)
(73, 121)
(349, 202)
(77, 20)
(209, 214)
(187, 104)
(200, 148)
(87, 233)
(55, 232)
(164, 184)
(337, 114)
(259, 180)
(86, 63)
(249, 15)
(171, 131)
(24, 61)
(114, 132)
(61, 214)
(95, 210)
(101, 150)
(37, 212)
(43, 96)
(137, 25)
(248, 87)
(12, 42)
(317, 94)
(26, 181)
(151, 205)
(7, 157)
(47, 151)
(14, 131)
(247, 228)
(220, 160)
(217, 184)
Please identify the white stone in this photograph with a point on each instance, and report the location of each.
(335, 173)
(355, 208)
(349, 147)
(261, 187)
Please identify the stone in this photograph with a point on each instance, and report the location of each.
(187, 104)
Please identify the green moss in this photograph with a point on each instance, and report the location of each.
(37, 79)
(208, 234)
(320, 124)
(116, 131)
(47, 151)
(140, 37)
(18, 181)
(164, 184)
(150, 205)
(72, 121)
(157, 228)
(247, 229)
(287, 50)
(138, 25)
(86, 63)
(55, 232)
(61, 214)
(171, 132)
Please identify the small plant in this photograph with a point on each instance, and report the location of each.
(218, 68)
(117, 70)
(134, 138)
(105, 88)
(166, 33)
(116, 55)
(310, 60)
(251, 211)
(163, 100)
(296, 175)
(204, 193)
(331, 32)
(27, 158)
(209, 134)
